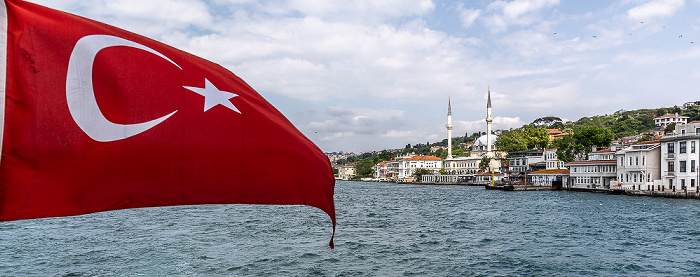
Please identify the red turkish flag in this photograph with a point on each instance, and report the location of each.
(97, 118)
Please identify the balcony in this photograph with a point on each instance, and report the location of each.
(670, 156)
(671, 174)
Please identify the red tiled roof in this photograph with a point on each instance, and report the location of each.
(423, 158)
(670, 115)
(649, 142)
(551, 171)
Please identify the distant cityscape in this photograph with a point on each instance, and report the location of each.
(659, 153)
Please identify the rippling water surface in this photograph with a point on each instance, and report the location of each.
(383, 230)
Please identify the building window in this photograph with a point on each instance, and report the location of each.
(643, 160)
(636, 160)
(670, 147)
(681, 146)
(682, 166)
(692, 165)
(692, 146)
(649, 177)
(682, 183)
(692, 183)
(670, 166)
(630, 161)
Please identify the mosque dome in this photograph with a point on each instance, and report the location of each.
(481, 141)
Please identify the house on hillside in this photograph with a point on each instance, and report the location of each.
(667, 119)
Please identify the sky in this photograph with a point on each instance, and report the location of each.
(367, 75)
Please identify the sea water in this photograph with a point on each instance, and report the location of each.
(383, 229)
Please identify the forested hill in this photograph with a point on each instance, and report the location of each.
(629, 123)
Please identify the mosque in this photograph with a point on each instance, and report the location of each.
(483, 147)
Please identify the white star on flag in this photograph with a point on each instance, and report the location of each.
(213, 96)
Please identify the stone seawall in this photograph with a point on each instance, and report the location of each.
(668, 194)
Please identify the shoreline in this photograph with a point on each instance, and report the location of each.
(664, 194)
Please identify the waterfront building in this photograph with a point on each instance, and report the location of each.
(462, 165)
(679, 155)
(346, 172)
(519, 162)
(666, 119)
(639, 167)
(380, 171)
(548, 178)
(409, 166)
(595, 173)
(485, 178)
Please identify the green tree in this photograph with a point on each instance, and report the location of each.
(627, 127)
(546, 121)
(511, 140)
(457, 152)
(364, 167)
(693, 112)
(670, 127)
(484, 164)
(443, 171)
(536, 137)
(385, 155)
(588, 136)
(567, 150)
(418, 174)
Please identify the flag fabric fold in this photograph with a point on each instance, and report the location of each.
(95, 118)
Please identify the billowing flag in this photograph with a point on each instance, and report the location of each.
(95, 118)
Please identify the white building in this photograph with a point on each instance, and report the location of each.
(380, 171)
(552, 160)
(409, 166)
(462, 165)
(595, 173)
(664, 120)
(639, 166)
(548, 177)
(520, 161)
(679, 158)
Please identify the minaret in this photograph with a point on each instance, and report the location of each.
(489, 119)
(449, 129)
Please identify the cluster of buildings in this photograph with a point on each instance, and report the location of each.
(665, 163)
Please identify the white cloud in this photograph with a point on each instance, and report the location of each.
(468, 16)
(520, 12)
(655, 8)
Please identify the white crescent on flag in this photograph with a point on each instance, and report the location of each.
(81, 95)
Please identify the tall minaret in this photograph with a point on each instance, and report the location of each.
(449, 129)
(489, 119)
